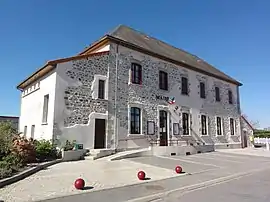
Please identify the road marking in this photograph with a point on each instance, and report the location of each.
(244, 157)
(213, 158)
(198, 186)
(188, 161)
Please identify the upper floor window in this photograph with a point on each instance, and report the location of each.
(101, 89)
(163, 80)
(232, 126)
(184, 88)
(45, 109)
(219, 129)
(32, 131)
(202, 90)
(217, 93)
(135, 120)
(136, 73)
(25, 131)
(230, 97)
(185, 123)
(204, 124)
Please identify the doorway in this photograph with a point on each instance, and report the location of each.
(245, 141)
(100, 134)
(163, 128)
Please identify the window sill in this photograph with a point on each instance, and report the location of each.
(165, 90)
(184, 94)
(134, 135)
(136, 84)
(44, 123)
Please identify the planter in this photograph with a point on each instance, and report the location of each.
(73, 155)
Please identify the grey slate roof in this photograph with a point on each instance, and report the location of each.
(156, 46)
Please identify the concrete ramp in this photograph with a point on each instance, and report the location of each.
(130, 154)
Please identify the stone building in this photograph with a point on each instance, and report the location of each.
(130, 90)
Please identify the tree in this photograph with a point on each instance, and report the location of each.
(7, 132)
(254, 123)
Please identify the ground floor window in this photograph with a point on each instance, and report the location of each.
(204, 124)
(232, 126)
(219, 130)
(135, 120)
(185, 123)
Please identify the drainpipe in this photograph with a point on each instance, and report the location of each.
(239, 113)
(115, 101)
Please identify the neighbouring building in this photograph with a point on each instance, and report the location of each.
(248, 131)
(130, 90)
(14, 120)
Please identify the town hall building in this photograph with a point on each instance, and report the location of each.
(129, 90)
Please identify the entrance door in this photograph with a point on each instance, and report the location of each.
(163, 130)
(100, 134)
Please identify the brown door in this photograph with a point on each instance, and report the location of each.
(100, 134)
(163, 128)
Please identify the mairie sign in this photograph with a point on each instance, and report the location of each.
(161, 97)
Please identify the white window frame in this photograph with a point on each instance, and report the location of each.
(45, 117)
(130, 105)
(234, 126)
(95, 86)
(207, 124)
(221, 124)
(164, 108)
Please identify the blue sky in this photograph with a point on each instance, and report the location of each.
(232, 35)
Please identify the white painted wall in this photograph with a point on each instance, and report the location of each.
(32, 107)
(102, 49)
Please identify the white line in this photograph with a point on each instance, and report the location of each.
(212, 158)
(198, 186)
(188, 161)
(230, 156)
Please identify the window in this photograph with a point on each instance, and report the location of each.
(202, 90)
(217, 94)
(101, 89)
(204, 125)
(135, 120)
(45, 109)
(25, 130)
(219, 132)
(185, 123)
(184, 88)
(163, 80)
(33, 131)
(232, 126)
(136, 73)
(230, 97)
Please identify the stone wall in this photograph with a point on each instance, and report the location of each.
(145, 97)
(76, 104)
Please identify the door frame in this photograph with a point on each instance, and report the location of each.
(164, 108)
(93, 116)
(104, 146)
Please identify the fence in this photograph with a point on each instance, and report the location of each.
(258, 140)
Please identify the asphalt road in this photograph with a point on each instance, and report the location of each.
(213, 177)
(246, 189)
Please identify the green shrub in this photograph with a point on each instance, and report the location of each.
(7, 132)
(5, 169)
(14, 161)
(45, 150)
(69, 145)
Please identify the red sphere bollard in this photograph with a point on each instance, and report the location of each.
(141, 175)
(79, 183)
(178, 169)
